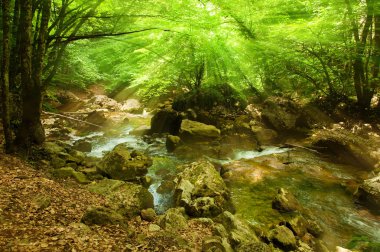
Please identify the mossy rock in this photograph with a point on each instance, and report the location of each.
(283, 238)
(67, 172)
(57, 162)
(173, 219)
(124, 165)
(201, 190)
(192, 130)
(126, 198)
(103, 216)
(239, 232)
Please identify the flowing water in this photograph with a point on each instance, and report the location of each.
(319, 184)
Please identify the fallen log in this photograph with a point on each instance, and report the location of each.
(71, 118)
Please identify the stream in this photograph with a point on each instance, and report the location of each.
(318, 183)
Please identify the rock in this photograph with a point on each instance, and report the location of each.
(140, 131)
(304, 247)
(285, 202)
(192, 130)
(283, 238)
(146, 181)
(340, 249)
(314, 228)
(57, 162)
(64, 172)
(166, 187)
(201, 190)
(280, 113)
(52, 148)
(369, 193)
(148, 214)
(104, 102)
(91, 173)
(263, 135)
(81, 178)
(154, 228)
(172, 142)
(126, 198)
(215, 243)
(298, 225)
(166, 121)
(254, 247)
(96, 117)
(347, 147)
(174, 219)
(102, 216)
(190, 114)
(122, 165)
(91, 161)
(75, 156)
(83, 146)
(248, 171)
(220, 230)
(239, 232)
(72, 165)
(67, 172)
(131, 106)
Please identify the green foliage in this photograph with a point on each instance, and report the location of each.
(302, 48)
(77, 69)
(210, 97)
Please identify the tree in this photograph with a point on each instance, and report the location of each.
(366, 53)
(5, 76)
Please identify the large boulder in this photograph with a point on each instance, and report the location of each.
(131, 106)
(284, 114)
(196, 130)
(201, 190)
(369, 192)
(280, 113)
(127, 199)
(346, 146)
(122, 164)
(103, 101)
(166, 120)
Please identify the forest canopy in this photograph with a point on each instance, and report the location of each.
(306, 49)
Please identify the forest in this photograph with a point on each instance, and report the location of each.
(190, 125)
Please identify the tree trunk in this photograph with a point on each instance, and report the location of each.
(31, 130)
(5, 77)
(376, 54)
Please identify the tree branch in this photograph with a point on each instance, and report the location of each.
(92, 36)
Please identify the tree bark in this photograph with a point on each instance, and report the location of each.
(31, 130)
(5, 77)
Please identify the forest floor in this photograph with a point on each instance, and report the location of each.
(38, 213)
